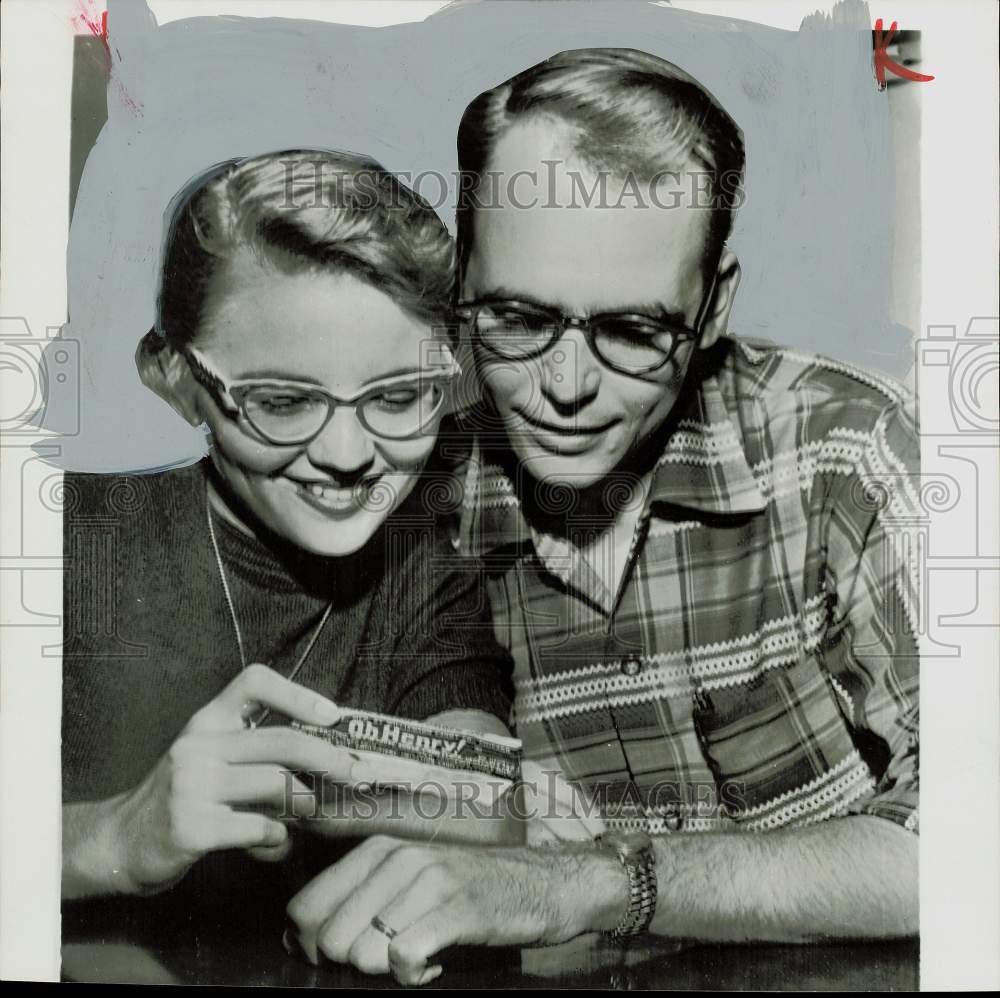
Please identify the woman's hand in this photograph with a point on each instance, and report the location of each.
(201, 795)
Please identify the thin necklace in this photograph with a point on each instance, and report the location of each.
(252, 722)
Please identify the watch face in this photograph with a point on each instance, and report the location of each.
(636, 842)
(627, 843)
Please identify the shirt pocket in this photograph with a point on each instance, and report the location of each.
(782, 735)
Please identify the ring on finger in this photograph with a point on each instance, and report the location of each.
(387, 930)
(248, 714)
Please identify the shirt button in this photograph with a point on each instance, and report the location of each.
(632, 665)
(672, 818)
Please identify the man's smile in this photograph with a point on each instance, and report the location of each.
(567, 429)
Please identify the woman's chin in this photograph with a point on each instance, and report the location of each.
(335, 539)
(332, 529)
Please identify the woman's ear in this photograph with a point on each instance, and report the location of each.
(727, 280)
(163, 370)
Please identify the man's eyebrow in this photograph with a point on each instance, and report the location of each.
(654, 309)
(651, 308)
(501, 292)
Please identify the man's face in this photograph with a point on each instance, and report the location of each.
(570, 419)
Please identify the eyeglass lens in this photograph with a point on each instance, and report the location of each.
(626, 342)
(289, 415)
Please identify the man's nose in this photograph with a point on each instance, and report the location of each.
(343, 445)
(571, 374)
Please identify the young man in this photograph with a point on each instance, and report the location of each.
(696, 549)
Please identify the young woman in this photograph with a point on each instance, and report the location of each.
(295, 570)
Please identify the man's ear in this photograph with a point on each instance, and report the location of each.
(727, 280)
(164, 370)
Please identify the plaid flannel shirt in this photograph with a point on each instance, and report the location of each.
(758, 667)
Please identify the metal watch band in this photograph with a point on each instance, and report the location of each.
(642, 898)
(640, 865)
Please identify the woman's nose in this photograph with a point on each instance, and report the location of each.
(343, 445)
(570, 372)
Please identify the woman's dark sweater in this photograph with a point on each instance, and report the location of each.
(149, 638)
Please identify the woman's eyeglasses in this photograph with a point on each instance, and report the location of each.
(293, 413)
(627, 342)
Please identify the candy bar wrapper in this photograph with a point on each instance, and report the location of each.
(428, 757)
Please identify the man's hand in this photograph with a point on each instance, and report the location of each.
(433, 896)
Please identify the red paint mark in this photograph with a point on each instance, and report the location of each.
(883, 62)
(88, 21)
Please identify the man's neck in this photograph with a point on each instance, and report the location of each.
(607, 552)
(599, 522)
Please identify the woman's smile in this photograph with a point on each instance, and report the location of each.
(331, 498)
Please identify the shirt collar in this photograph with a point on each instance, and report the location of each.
(703, 467)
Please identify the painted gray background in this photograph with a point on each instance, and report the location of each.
(814, 236)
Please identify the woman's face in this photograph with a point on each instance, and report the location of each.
(330, 495)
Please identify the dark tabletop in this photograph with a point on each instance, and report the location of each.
(224, 928)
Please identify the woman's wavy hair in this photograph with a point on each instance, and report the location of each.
(302, 211)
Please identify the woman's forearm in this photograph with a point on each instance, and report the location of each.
(92, 862)
(853, 877)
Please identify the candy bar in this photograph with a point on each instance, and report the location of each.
(411, 752)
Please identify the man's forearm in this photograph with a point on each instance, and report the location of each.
(851, 877)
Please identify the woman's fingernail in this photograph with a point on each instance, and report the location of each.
(290, 942)
(429, 974)
(326, 712)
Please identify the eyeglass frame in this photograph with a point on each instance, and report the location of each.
(211, 380)
(468, 310)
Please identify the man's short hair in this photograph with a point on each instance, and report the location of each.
(633, 113)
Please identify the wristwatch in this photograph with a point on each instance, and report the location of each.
(635, 850)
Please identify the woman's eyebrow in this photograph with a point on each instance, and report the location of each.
(401, 372)
(301, 379)
(269, 375)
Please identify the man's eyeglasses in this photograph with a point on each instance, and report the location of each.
(293, 413)
(627, 342)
